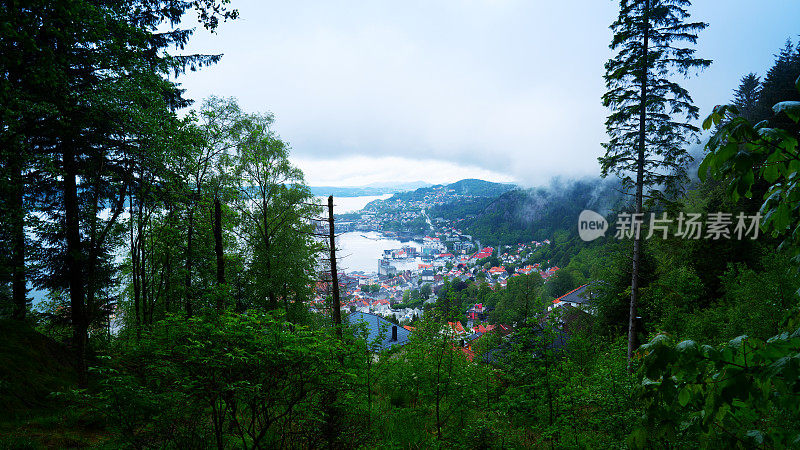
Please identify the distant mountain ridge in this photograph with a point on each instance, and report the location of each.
(469, 186)
(380, 188)
(472, 186)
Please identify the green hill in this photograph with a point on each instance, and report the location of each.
(33, 366)
(480, 188)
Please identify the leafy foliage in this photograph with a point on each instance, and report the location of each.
(741, 394)
(247, 380)
(743, 153)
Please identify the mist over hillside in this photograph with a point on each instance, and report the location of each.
(367, 190)
(521, 215)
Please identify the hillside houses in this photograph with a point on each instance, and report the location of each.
(413, 267)
(496, 271)
(547, 273)
(483, 253)
(477, 313)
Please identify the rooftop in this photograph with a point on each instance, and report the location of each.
(380, 330)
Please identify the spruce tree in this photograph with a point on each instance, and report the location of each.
(85, 96)
(651, 113)
(746, 96)
(779, 86)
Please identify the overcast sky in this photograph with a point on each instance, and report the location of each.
(504, 90)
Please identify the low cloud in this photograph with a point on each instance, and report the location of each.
(509, 86)
(364, 170)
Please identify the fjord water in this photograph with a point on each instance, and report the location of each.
(361, 251)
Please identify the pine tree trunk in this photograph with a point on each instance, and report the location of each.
(135, 270)
(337, 305)
(74, 261)
(142, 238)
(637, 244)
(19, 284)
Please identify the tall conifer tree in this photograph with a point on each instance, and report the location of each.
(85, 91)
(746, 96)
(651, 113)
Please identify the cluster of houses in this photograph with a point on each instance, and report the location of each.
(374, 221)
(382, 291)
(404, 209)
(382, 334)
(497, 275)
(376, 299)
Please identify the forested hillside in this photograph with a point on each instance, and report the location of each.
(470, 188)
(533, 214)
(192, 297)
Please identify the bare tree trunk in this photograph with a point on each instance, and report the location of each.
(337, 305)
(439, 359)
(147, 312)
(633, 343)
(135, 270)
(188, 281)
(141, 240)
(218, 249)
(168, 268)
(550, 409)
(74, 260)
(19, 283)
(369, 390)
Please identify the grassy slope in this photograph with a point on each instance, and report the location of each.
(31, 367)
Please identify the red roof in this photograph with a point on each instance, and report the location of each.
(456, 326)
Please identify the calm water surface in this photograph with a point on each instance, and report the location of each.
(362, 250)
